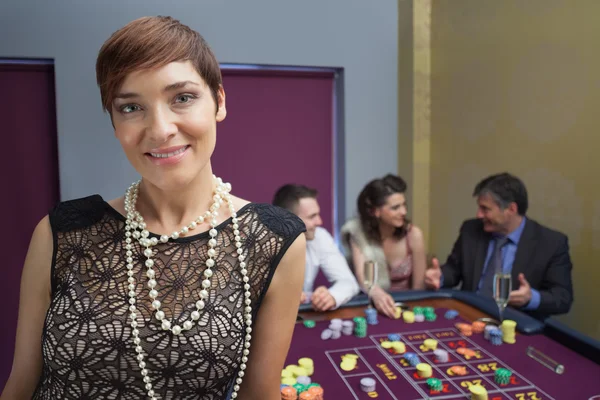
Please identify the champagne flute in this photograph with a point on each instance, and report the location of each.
(502, 289)
(370, 277)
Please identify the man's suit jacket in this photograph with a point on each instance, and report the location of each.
(542, 256)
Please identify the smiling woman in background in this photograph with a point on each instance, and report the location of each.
(383, 234)
(178, 289)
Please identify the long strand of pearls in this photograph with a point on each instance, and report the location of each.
(135, 229)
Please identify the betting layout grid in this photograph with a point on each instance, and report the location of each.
(391, 371)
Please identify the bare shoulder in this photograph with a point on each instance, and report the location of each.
(415, 234)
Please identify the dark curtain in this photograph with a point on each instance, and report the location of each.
(30, 183)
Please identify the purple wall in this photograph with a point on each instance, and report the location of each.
(29, 176)
(278, 130)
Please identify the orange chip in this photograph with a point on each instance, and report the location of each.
(470, 353)
(478, 326)
(461, 325)
(459, 370)
(461, 350)
(306, 396)
(288, 390)
(316, 391)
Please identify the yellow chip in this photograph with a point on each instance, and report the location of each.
(289, 381)
(399, 347)
(304, 362)
(386, 345)
(286, 374)
(409, 316)
(478, 392)
(398, 313)
(348, 365)
(424, 370)
(350, 356)
(431, 344)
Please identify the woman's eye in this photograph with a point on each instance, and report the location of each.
(129, 108)
(184, 98)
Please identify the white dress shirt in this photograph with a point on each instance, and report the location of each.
(321, 252)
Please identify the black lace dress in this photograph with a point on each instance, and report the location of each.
(87, 347)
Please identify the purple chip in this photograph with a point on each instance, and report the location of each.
(326, 334)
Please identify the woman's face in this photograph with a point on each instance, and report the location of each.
(165, 120)
(393, 212)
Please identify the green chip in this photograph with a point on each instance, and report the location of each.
(309, 323)
(312, 385)
(428, 310)
(418, 310)
(430, 317)
(299, 387)
(434, 384)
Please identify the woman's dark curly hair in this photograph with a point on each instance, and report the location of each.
(374, 195)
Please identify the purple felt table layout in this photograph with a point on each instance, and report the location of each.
(395, 379)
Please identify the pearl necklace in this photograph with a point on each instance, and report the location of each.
(135, 228)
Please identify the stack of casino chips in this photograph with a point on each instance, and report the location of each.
(508, 331)
(478, 392)
(434, 384)
(371, 314)
(306, 396)
(478, 326)
(430, 314)
(360, 327)
(347, 328)
(502, 376)
(487, 330)
(308, 365)
(418, 312)
(412, 359)
(367, 385)
(465, 329)
(408, 317)
(316, 391)
(336, 325)
(441, 355)
(398, 312)
(289, 393)
(424, 370)
(496, 337)
(451, 314)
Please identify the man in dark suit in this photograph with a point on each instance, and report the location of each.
(502, 238)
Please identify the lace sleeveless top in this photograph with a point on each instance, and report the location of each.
(88, 352)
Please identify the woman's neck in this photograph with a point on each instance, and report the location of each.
(166, 211)
(386, 231)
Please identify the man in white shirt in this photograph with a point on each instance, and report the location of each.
(321, 251)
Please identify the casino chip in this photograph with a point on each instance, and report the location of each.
(417, 310)
(394, 337)
(434, 384)
(367, 385)
(360, 327)
(424, 370)
(478, 326)
(451, 314)
(299, 387)
(316, 391)
(419, 318)
(441, 355)
(496, 337)
(430, 315)
(326, 334)
(289, 393)
(371, 314)
(309, 323)
(478, 392)
(408, 316)
(502, 376)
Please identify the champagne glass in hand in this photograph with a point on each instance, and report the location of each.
(370, 277)
(502, 289)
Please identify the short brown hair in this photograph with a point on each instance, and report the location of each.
(153, 42)
(288, 196)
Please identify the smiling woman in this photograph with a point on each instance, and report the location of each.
(171, 291)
